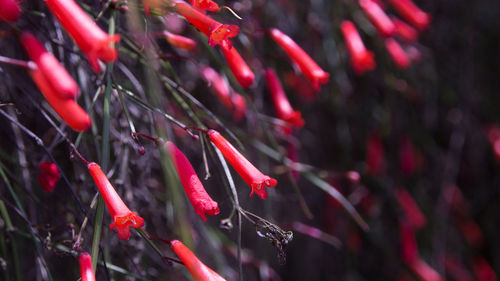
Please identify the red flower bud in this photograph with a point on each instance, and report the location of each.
(62, 83)
(410, 208)
(91, 40)
(408, 10)
(67, 109)
(9, 11)
(198, 270)
(397, 53)
(282, 106)
(218, 33)
(86, 270)
(228, 97)
(252, 176)
(122, 217)
(378, 17)
(309, 68)
(179, 41)
(49, 176)
(409, 248)
(375, 159)
(193, 187)
(207, 5)
(361, 59)
(239, 67)
(405, 31)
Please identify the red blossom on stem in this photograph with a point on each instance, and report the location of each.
(405, 31)
(92, 41)
(9, 11)
(409, 248)
(361, 59)
(193, 187)
(375, 159)
(410, 208)
(49, 176)
(483, 270)
(281, 104)
(198, 270)
(122, 217)
(250, 174)
(179, 41)
(67, 109)
(86, 270)
(407, 156)
(239, 67)
(378, 17)
(307, 65)
(62, 83)
(412, 13)
(227, 96)
(207, 5)
(397, 53)
(299, 84)
(218, 33)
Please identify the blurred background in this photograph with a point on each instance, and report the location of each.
(394, 175)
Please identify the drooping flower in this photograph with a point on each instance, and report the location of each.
(412, 13)
(92, 41)
(122, 217)
(193, 187)
(410, 208)
(239, 67)
(407, 157)
(299, 84)
(86, 270)
(404, 31)
(281, 104)
(199, 271)
(409, 248)
(55, 74)
(67, 109)
(375, 159)
(397, 53)
(179, 41)
(49, 176)
(228, 97)
(307, 65)
(9, 11)
(218, 33)
(384, 25)
(483, 270)
(207, 5)
(456, 269)
(250, 174)
(471, 232)
(361, 59)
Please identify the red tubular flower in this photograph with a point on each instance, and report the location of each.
(218, 33)
(228, 97)
(193, 187)
(405, 31)
(67, 109)
(375, 159)
(483, 270)
(239, 67)
(409, 248)
(456, 269)
(282, 106)
(410, 208)
(309, 68)
(179, 41)
(424, 271)
(198, 270)
(407, 156)
(91, 40)
(252, 176)
(408, 10)
(361, 59)
(471, 231)
(397, 53)
(378, 17)
(123, 218)
(62, 83)
(9, 11)
(49, 176)
(207, 5)
(86, 270)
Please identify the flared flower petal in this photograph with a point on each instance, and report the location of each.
(361, 59)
